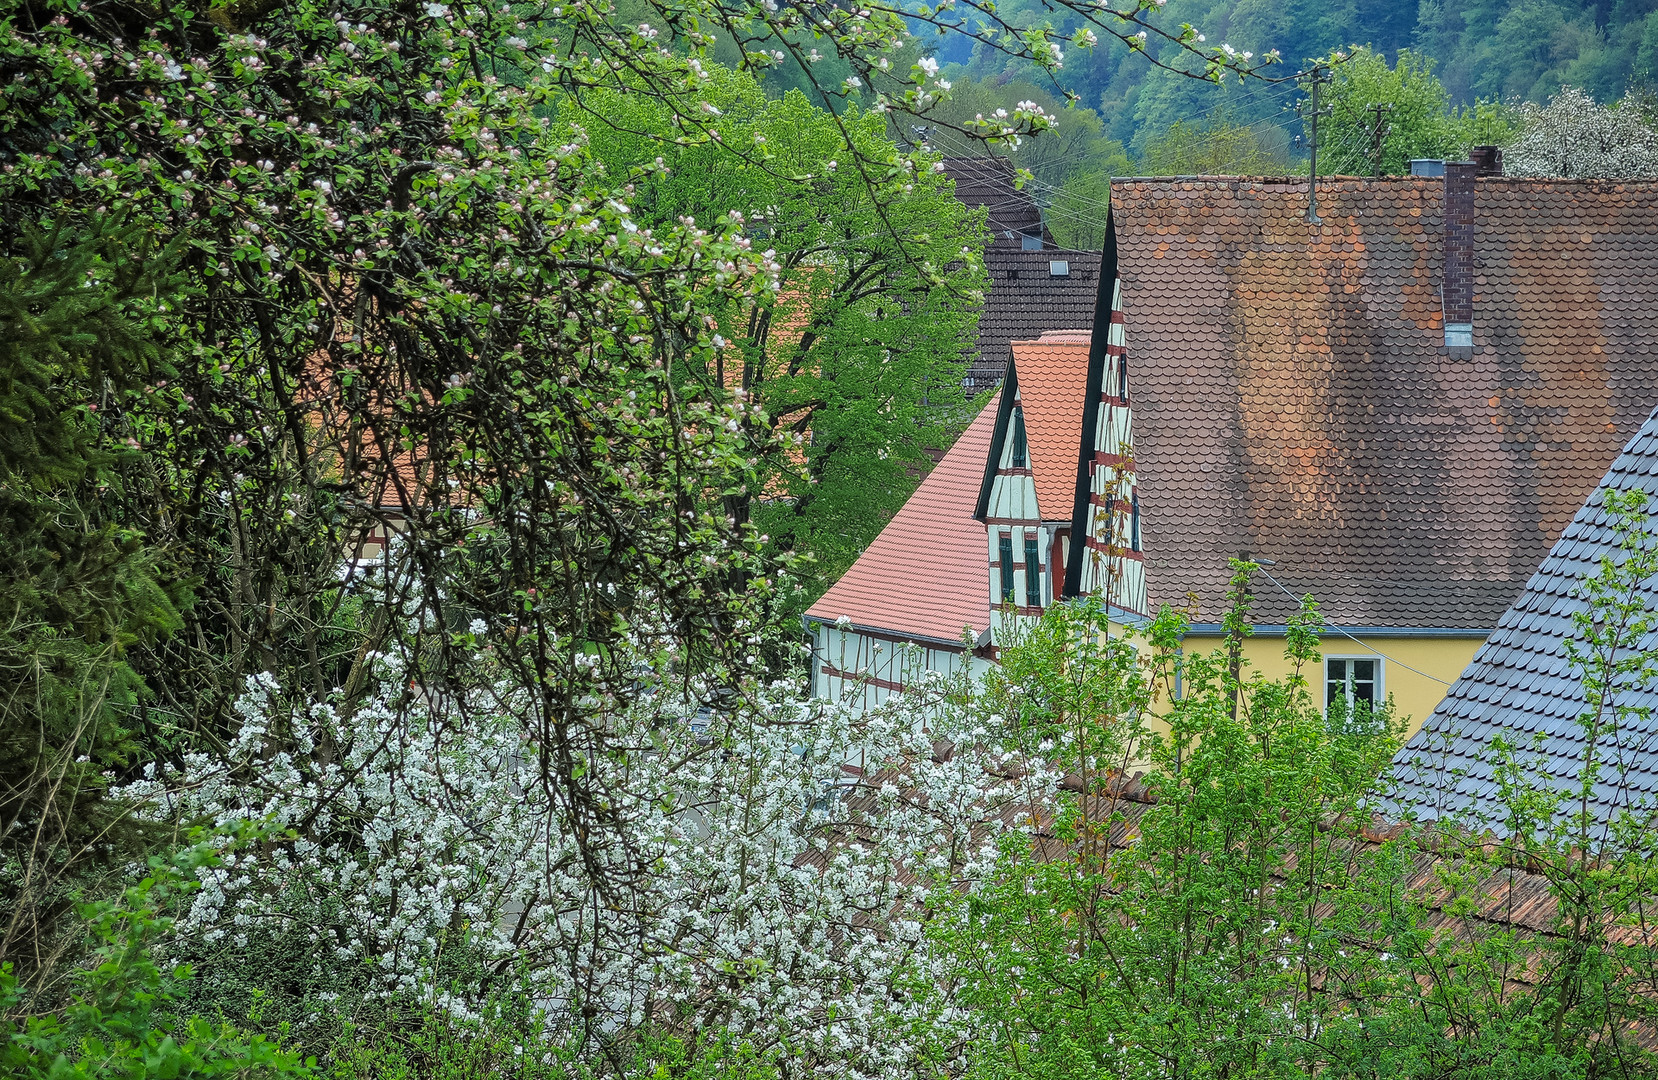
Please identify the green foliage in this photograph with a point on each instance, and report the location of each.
(80, 588)
(1176, 940)
(1212, 895)
(1381, 117)
(1070, 166)
(1218, 146)
(119, 1021)
(861, 346)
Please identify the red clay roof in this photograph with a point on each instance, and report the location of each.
(1053, 381)
(928, 573)
(1293, 396)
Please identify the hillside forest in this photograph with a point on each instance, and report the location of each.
(1450, 74)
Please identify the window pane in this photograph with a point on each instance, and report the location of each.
(1007, 568)
(1019, 454)
(1033, 574)
(1364, 682)
(1335, 682)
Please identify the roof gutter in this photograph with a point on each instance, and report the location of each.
(1279, 629)
(954, 645)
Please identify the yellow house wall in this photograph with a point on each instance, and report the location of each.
(1438, 662)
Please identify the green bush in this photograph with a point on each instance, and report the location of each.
(118, 1021)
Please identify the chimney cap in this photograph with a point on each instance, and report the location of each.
(1427, 166)
(1488, 160)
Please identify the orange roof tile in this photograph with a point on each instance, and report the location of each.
(928, 573)
(1053, 381)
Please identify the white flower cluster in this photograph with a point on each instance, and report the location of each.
(1572, 136)
(754, 883)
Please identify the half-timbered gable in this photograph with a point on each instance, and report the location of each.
(1109, 560)
(1051, 463)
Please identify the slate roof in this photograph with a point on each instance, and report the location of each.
(1025, 299)
(1052, 372)
(1293, 397)
(928, 573)
(989, 182)
(1522, 686)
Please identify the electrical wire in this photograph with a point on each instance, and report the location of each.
(1367, 647)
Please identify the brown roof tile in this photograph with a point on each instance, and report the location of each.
(1025, 299)
(1293, 397)
(990, 182)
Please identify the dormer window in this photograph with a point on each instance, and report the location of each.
(1030, 241)
(1020, 456)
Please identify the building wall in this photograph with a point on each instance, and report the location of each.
(865, 668)
(1114, 567)
(1438, 662)
(1012, 513)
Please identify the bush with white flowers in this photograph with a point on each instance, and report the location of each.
(757, 888)
(1572, 136)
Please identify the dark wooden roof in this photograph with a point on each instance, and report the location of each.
(1026, 299)
(989, 182)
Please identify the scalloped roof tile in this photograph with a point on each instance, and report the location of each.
(1293, 397)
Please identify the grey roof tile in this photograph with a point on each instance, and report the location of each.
(1522, 685)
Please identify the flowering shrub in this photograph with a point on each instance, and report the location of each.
(1573, 136)
(728, 906)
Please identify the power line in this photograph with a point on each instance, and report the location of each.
(1364, 645)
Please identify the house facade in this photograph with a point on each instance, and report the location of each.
(1035, 503)
(1393, 416)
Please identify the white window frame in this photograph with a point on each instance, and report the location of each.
(1379, 694)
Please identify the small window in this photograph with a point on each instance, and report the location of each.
(1134, 522)
(1030, 241)
(1352, 687)
(1020, 455)
(1122, 377)
(1059, 268)
(1033, 574)
(1007, 568)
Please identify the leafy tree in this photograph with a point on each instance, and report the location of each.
(1182, 943)
(1572, 136)
(856, 358)
(1070, 165)
(120, 1020)
(1218, 146)
(80, 588)
(1381, 117)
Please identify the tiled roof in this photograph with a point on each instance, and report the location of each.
(989, 182)
(1522, 686)
(928, 573)
(1053, 378)
(1294, 398)
(1026, 298)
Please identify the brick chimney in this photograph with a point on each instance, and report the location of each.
(1488, 160)
(1457, 293)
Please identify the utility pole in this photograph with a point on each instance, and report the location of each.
(1320, 75)
(1377, 134)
